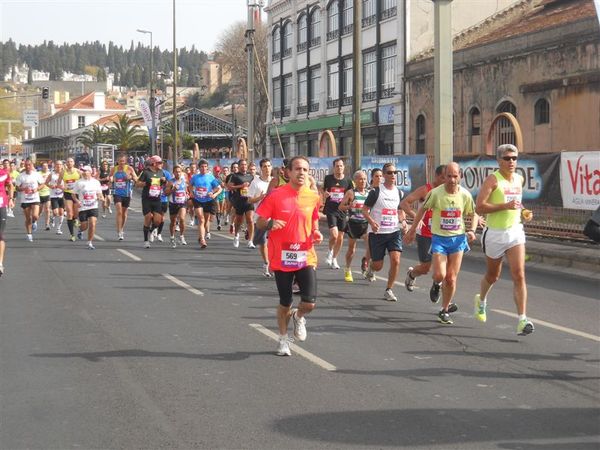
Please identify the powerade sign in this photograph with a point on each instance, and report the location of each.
(475, 171)
(411, 169)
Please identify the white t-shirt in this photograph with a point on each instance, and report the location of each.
(55, 192)
(87, 193)
(258, 187)
(384, 204)
(30, 181)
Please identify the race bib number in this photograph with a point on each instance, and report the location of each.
(450, 219)
(121, 185)
(357, 209)
(201, 192)
(89, 200)
(28, 195)
(179, 197)
(389, 218)
(244, 192)
(58, 192)
(336, 194)
(69, 185)
(511, 194)
(155, 190)
(104, 186)
(294, 255)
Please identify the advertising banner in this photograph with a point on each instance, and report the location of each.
(412, 171)
(540, 173)
(580, 179)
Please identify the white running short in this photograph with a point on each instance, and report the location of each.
(495, 243)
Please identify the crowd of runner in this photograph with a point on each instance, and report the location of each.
(277, 211)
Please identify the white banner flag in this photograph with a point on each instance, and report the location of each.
(146, 114)
(580, 179)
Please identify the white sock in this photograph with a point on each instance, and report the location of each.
(522, 317)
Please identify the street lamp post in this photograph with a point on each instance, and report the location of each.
(174, 89)
(152, 106)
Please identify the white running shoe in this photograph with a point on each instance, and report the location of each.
(389, 295)
(283, 348)
(191, 224)
(34, 226)
(109, 210)
(91, 246)
(173, 243)
(146, 244)
(182, 240)
(329, 258)
(177, 228)
(208, 236)
(121, 236)
(104, 216)
(59, 231)
(236, 241)
(10, 213)
(299, 326)
(1, 270)
(334, 264)
(29, 238)
(152, 236)
(251, 244)
(266, 272)
(159, 237)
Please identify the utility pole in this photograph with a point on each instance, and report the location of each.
(152, 101)
(442, 80)
(252, 5)
(174, 127)
(357, 85)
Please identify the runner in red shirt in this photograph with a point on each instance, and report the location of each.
(291, 213)
(6, 201)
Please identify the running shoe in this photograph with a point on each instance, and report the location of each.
(121, 236)
(299, 326)
(390, 296)
(34, 226)
(369, 275)
(409, 282)
(283, 348)
(1, 270)
(72, 238)
(177, 228)
(266, 272)
(52, 223)
(202, 243)
(348, 275)
(59, 231)
(218, 227)
(173, 243)
(236, 241)
(159, 237)
(91, 246)
(525, 327)
(47, 228)
(77, 223)
(182, 240)
(80, 235)
(104, 216)
(295, 288)
(208, 236)
(480, 309)
(251, 244)
(364, 265)
(444, 318)
(434, 292)
(29, 238)
(146, 244)
(10, 213)
(334, 264)
(329, 258)
(191, 223)
(452, 308)
(109, 210)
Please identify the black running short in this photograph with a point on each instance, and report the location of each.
(356, 229)
(44, 199)
(85, 215)
(57, 202)
(174, 208)
(151, 206)
(124, 201)
(207, 207)
(307, 281)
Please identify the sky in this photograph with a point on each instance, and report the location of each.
(199, 22)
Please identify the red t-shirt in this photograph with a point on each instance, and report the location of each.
(5, 182)
(291, 247)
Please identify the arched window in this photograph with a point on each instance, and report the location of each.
(302, 32)
(507, 106)
(333, 21)
(420, 134)
(314, 28)
(276, 40)
(505, 132)
(542, 111)
(474, 122)
(287, 39)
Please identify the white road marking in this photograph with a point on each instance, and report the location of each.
(552, 325)
(182, 284)
(377, 277)
(131, 255)
(300, 351)
(99, 238)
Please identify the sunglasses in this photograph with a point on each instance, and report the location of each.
(509, 158)
(391, 172)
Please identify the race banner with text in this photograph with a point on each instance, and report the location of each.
(580, 179)
(540, 173)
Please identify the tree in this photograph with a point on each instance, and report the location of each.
(232, 48)
(125, 134)
(93, 136)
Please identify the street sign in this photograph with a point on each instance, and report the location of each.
(31, 118)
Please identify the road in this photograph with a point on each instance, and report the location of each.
(127, 348)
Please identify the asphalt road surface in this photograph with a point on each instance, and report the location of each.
(125, 348)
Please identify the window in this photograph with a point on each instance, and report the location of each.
(333, 20)
(302, 92)
(277, 97)
(347, 81)
(542, 111)
(475, 122)
(315, 28)
(315, 88)
(420, 134)
(508, 107)
(276, 44)
(287, 39)
(369, 11)
(333, 85)
(388, 71)
(302, 33)
(347, 16)
(80, 121)
(287, 95)
(369, 76)
(388, 9)
(504, 131)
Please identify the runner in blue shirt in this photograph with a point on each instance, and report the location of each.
(203, 190)
(123, 176)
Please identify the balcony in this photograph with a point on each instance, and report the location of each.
(287, 52)
(314, 107)
(347, 29)
(277, 114)
(347, 101)
(302, 109)
(367, 21)
(302, 46)
(333, 103)
(387, 92)
(389, 13)
(369, 96)
(315, 42)
(331, 35)
(287, 111)
(276, 56)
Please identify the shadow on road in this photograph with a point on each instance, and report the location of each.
(136, 353)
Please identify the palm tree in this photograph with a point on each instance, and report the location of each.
(93, 136)
(124, 134)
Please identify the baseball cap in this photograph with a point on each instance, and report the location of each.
(217, 169)
(156, 159)
(86, 168)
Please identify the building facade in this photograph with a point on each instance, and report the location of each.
(310, 76)
(542, 65)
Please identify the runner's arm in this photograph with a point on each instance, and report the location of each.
(347, 200)
(482, 205)
(406, 203)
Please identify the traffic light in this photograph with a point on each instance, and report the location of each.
(45, 92)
